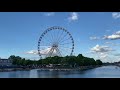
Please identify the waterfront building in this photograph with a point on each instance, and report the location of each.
(5, 62)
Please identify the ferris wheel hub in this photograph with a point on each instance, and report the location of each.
(54, 45)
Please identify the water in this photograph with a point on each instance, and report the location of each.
(100, 72)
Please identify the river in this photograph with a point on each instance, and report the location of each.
(100, 72)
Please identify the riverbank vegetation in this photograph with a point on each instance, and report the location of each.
(67, 61)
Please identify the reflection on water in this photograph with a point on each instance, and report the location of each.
(15, 74)
(48, 74)
(33, 73)
(19, 74)
(100, 72)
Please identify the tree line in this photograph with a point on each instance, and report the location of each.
(72, 61)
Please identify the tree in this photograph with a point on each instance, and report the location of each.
(69, 61)
(98, 62)
(80, 56)
(15, 60)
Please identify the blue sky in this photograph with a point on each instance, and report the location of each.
(96, 34)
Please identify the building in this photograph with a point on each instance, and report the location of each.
(5, 62)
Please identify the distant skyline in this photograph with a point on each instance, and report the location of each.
(96, 34)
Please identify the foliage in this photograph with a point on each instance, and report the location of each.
(71, 61)
(98, 62)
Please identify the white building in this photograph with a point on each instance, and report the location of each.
(5, 62)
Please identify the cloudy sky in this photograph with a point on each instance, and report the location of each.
(96, 34)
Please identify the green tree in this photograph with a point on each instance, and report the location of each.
(98, 62)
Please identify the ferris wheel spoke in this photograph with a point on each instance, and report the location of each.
(46, 52)
(57, 34)
(67, 48)
(59, 51)
(63, 46)
(68, 39)
(60, 35)
(47, 40)
(67, 34)
(43, 36)
(51, 39)
(46, 32)
(49, 52)
(64, 51)
(44, 47)
(63, 37)
(65, 43)
(52, 36)
(45, 44)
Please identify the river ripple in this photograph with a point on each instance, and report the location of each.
(100, 72)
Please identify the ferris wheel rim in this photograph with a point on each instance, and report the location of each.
(55, 28)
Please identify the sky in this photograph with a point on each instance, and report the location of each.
(95, 34)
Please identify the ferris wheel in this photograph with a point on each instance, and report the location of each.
(55, 41)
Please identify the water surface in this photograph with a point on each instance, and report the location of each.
(100, 72)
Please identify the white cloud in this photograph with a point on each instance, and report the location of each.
(42, 52)
(102, 52)
(32, 52)
(116, 15)
(73, 16)
(113, 36)
(103, 55)
(49, 14)
(118, 54)
(101, 49)
(114, 44)
(117, 33)
(94, 38)
(108, 43)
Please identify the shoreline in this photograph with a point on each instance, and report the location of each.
(49, 69)
(67, 69)
(14, 69)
